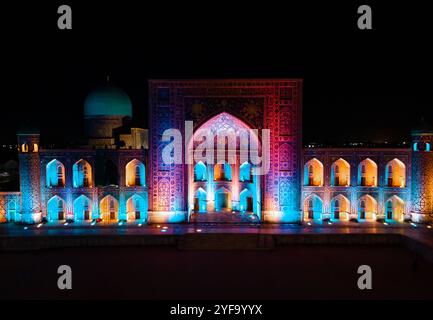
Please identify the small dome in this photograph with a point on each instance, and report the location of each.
(107, 101)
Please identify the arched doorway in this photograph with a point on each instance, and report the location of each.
(215, 182)
(313, 207)
(200, 201)
(340, 208)
(246, 201)
(223, 200)
(109, 208)
(82, 208)
(367, 208)
(136, 208)
(394, 209)
(56, 209)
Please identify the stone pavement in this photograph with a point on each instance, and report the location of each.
(418, 238)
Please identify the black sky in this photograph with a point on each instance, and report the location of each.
(358, 85)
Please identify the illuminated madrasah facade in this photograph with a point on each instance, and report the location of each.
(120, 174)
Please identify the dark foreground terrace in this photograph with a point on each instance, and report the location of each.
(217, 262)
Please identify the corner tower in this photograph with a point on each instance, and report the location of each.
(29, 169)
(422, 176)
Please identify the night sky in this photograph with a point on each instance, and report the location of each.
(358, 85)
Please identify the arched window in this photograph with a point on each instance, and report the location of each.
(24, 147)
(200, 172)
(82, 174)
(35, 147)
(313, 173)
(340, 173)
(367, 173)
(222, 172)
(395, 174)
(55, 174)
(135, 173)
(245, 172)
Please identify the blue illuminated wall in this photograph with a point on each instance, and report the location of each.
(162, 192)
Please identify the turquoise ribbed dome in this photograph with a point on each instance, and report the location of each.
(107, 101)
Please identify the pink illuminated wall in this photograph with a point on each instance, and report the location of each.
(271, 104)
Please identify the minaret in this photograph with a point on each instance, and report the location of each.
(422, 176)
(29, 168)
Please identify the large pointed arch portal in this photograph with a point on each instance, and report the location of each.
(225, 183)
(260, 104)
